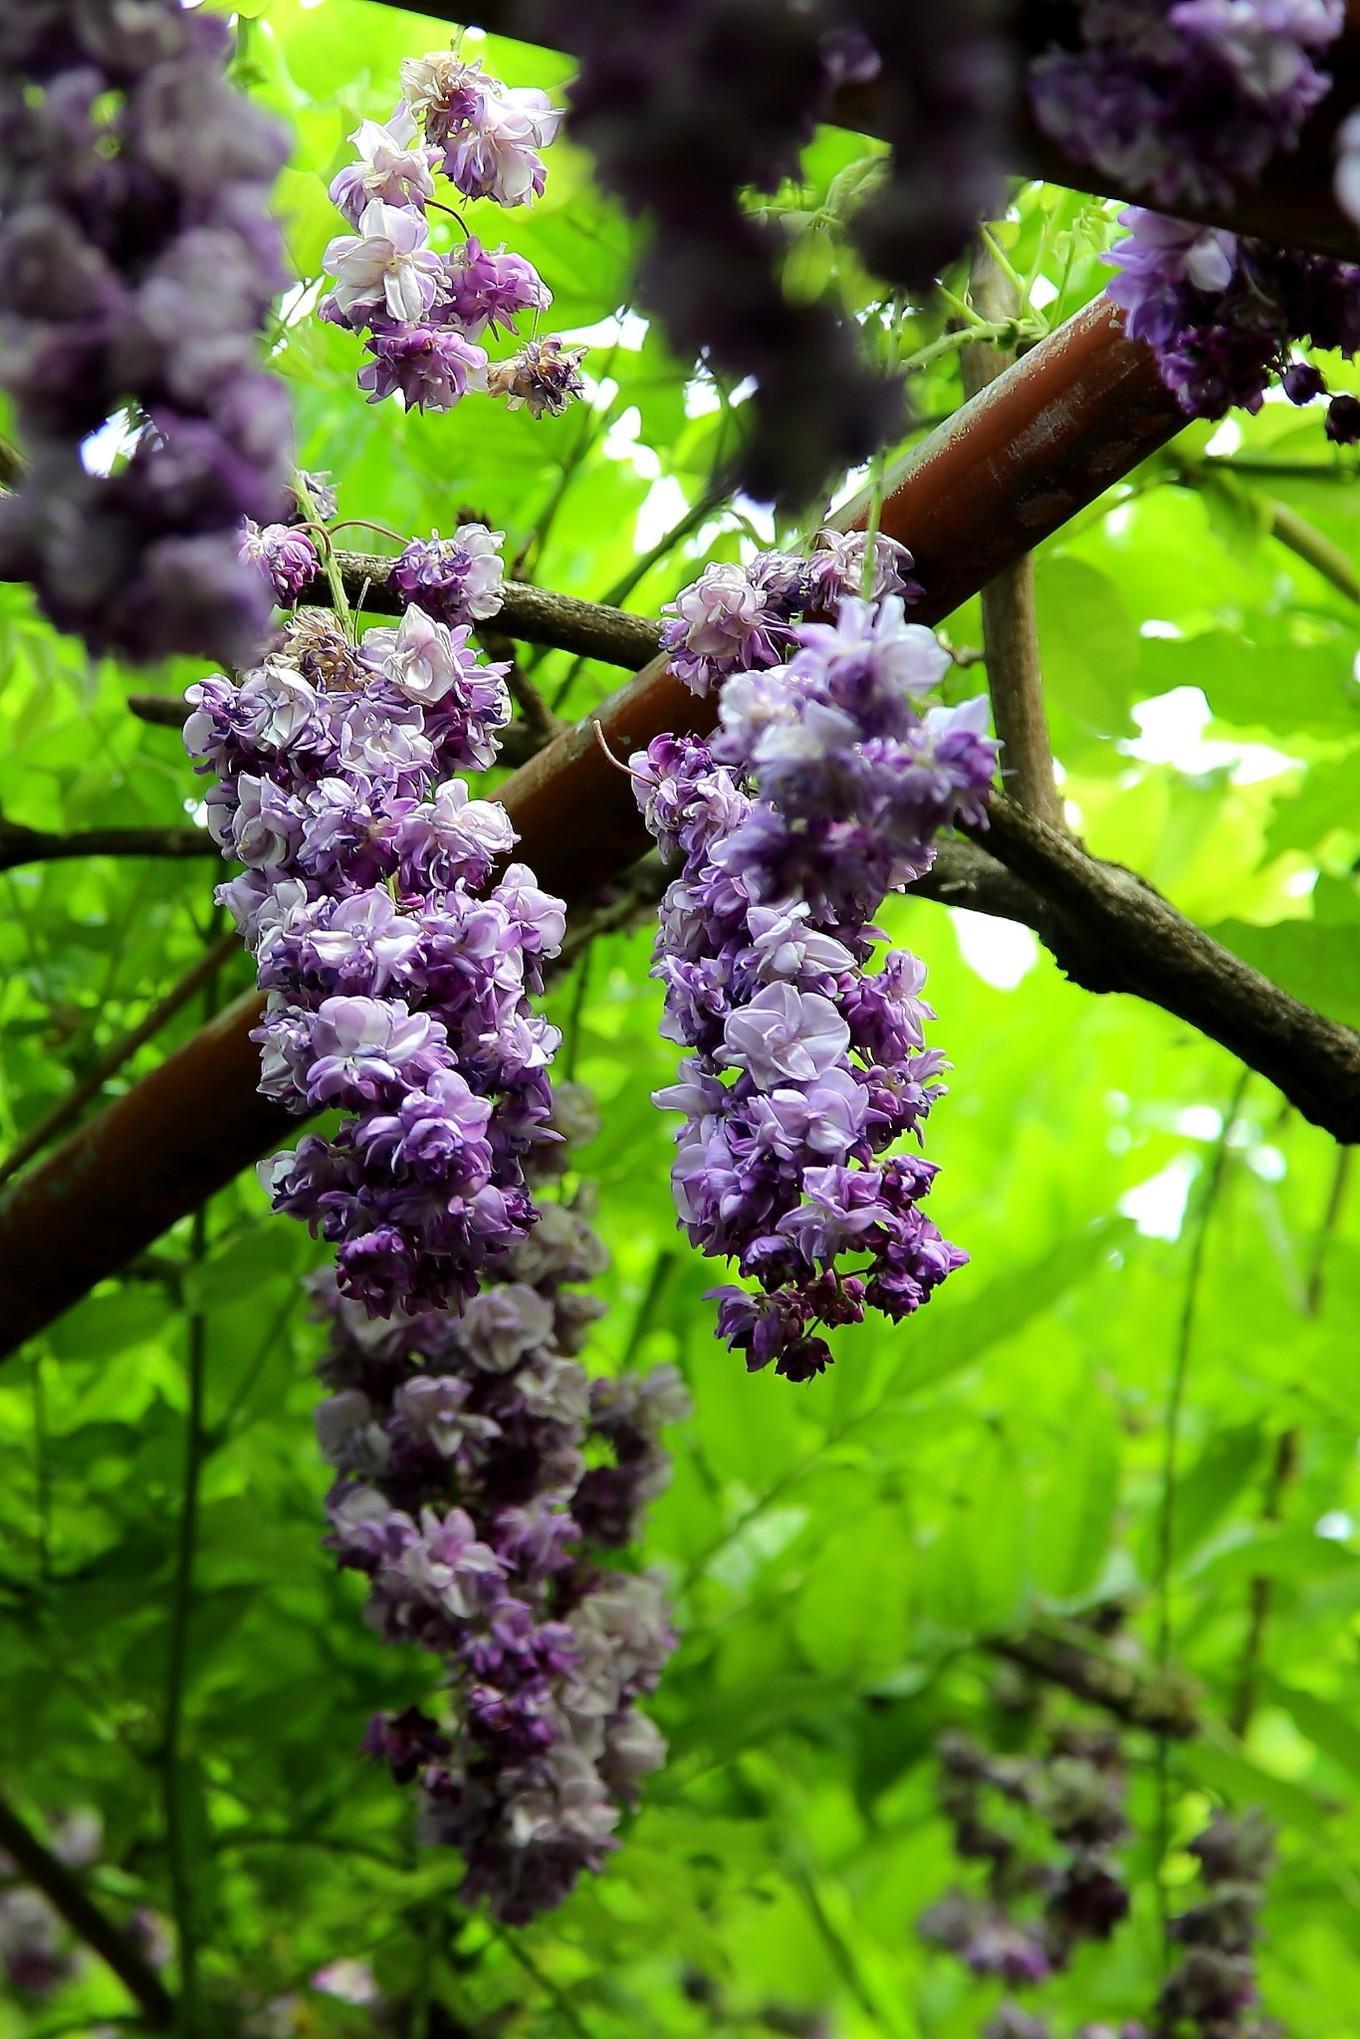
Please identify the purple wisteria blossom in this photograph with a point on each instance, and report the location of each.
(286, 558)
(424, 314)
(1223, 314)
(482, 1480)
(138, 261)
(1187, 102)
(741, 618)
(821, 792)
(389, 169)
(456, 580)
(398, 968)
(491, 287)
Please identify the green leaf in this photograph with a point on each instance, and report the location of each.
(1329, 1725)
(1319, 964)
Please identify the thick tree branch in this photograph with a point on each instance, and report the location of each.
(20, 845)
(1077, 413)
(1127, 937)
(1010, 630)
(68, 1896)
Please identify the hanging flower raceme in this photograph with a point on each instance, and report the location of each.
(822, 792)
(425, 315)
(137, 265)
(1223, 314)
(464, 1495)
(1187, 102)
(399, 974)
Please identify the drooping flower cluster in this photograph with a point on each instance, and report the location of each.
(465, 1496)
(398, 973)
(822, 792)
(1222, 313)
(1035, 1907)
(1045, 1828)
(685, 109)
(137, 264)
(741, 618)
(425, 315)
(1186, 102)
(1212, 1990)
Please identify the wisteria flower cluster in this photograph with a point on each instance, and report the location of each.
(1045, 1829)
(1186, 102)
(425, 316)
(1212, 1990)
(137, 264)
(465, 1496)
(399, 974)
(1223, 314)
(822, 792)
(1036, 1907)
(686, 109)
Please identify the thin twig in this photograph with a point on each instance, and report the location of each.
(1284, 1463)
(183, 1894)
(1171, 1437)
(20, 845)
(1278, 520)
(552, 1990)
(1010, 629)
(68, 1108)
(68, 1896)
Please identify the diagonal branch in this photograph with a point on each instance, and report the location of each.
(1127, 937)
(1164, 1705)
(1077, 413)
(537, 615)
(68, 1896)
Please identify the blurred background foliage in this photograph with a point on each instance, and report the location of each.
(844, 1555)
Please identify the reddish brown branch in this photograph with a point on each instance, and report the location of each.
(1038, 445)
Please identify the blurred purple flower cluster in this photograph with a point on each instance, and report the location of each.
(465, 1496)
(399, 974)
(1223, 312)
(1186, 102)
(1006, 1813)
(425, 316)
(822, 791)
(1035, 1907)
(686, 108)
(137, 264)
(1212, 1990)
